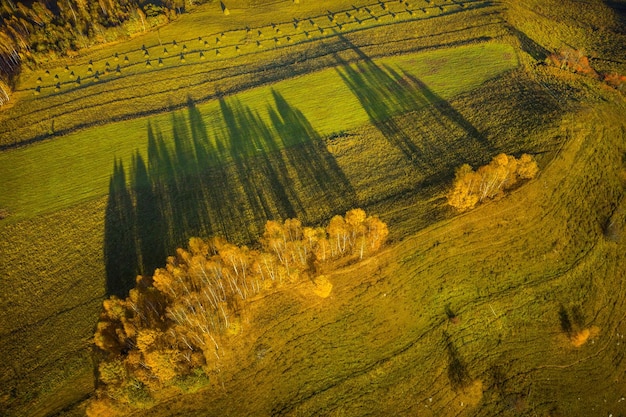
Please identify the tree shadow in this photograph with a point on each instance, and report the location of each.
(385, 93)
(619, 7)
(119, 236)
(458, 374)
(529, 46)
(316, 170)
(565, 321)
(251, 171)
(383, 96)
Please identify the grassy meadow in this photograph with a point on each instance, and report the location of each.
(280, 110)
(463, 318)
(244, 49)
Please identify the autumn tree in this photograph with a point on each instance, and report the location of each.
(489, 181)
(616, 81)
(464, 195)
(5, 92)
(573, 60)
(173, 323)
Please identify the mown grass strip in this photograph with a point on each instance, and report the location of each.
(56, 174)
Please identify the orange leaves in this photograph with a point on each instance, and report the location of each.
(581, 337)
(616, 81)
(501, 173)
(357, 234)
(5, 92)
(162, 364)
(376, 233)
(489, 181)
(572, 60)
(296, 247)
(527, 167)
(355, 218)
(464, 195)
(338, 235)
(173, 322)
(576, 61)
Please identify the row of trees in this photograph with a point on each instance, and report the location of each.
(489, 181)
(170, 327)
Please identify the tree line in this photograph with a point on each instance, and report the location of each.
(36, 31)
(170, 329)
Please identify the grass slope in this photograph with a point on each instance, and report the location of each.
(383, 342)
(386, 183)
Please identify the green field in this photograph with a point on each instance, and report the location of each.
(36, 177)
(502, 271)
(103, 180)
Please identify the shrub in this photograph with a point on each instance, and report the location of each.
(573, 60)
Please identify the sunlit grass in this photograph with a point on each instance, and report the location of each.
(503, 269)
(36, 177)
(502, 272)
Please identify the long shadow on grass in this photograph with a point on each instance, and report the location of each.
(529, 46)
(119, 244)
(458, 374)
(229, 185)
(385, 93)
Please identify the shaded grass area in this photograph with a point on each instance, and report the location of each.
(53, 279)
(384, 92)
(36, 180)
(383, 342)
(184, 191)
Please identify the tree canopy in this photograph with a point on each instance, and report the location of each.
(172, 325)
(489, 181)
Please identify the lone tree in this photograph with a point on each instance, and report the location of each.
(224, 9)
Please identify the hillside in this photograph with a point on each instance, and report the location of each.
(385, 342)
(514, 308)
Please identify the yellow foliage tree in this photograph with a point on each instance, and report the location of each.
(489, 181)
(527, 167)
(377, 233)
(338, 236)
(173, 323)
(464, 195)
